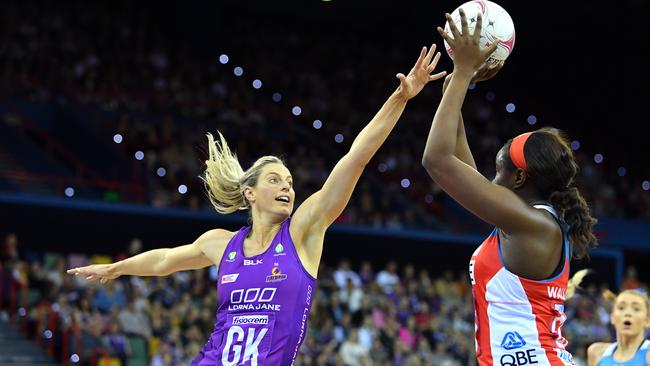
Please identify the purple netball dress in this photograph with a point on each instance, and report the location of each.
(264, 304)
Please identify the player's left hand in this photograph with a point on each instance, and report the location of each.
(411, 84)
(93, 272)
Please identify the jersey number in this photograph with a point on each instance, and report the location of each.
(235, 342)
(556, 325)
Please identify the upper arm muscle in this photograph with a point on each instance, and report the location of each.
(322, 208)
(492, 203)
(319, 211)
(203, 252)
(183, 258)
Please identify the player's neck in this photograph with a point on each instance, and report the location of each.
(529, 194)
(262, 232)
(628, 345)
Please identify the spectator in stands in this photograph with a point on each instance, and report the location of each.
(109, 296)
(351, 295)
(631, 282)
(82, 77)
(93, 345)
(343, 273)
(388, 277)
(9, 250)
(386, 325)
(134, 321)
(352, 352)
(116, 343)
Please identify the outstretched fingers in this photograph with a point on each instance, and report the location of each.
(432, 51)
(423, 55)
(434, 63)
(79, 271)
(463, 22)
(452, 26)
(437, 76)
(449, 39)
(479, 27)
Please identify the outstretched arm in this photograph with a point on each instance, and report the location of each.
(323, 207)
(494, 204)
(161, 262)
(462, 150)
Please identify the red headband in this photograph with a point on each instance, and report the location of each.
(517, 150)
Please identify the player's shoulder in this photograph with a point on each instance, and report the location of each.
(213, 243)
(214, 239)
(217, 236)
(596, 350)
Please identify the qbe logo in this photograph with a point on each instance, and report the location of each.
(519, 358)
(250, 319)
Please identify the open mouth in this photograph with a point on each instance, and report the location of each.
(627, 323)
(284, 199)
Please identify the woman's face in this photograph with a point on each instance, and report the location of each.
(630, 315)
(502, 177)
(274, 191)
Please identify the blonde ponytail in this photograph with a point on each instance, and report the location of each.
(609, 296)
(224, 178)
(574, 282)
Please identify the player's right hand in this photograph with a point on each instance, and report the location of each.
(482, 74)
(101, 272)
(486, 72)
(411, 84)
(468, 55)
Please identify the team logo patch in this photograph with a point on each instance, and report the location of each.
(279, 250)
(512, 340)
(276, 275)
(231, 256)
(229, 278)
(250, 319)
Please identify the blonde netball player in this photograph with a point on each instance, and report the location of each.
(631, 318)
(267, 271)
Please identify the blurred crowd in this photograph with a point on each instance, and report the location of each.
(162, 94)
(370, 314)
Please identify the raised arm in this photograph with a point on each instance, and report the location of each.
(492, 203)
(204, 251)
(323, 207)
(462, 150)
